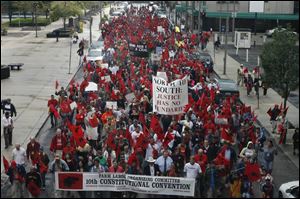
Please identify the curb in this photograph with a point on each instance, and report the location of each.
(278, 146)
(5, 182)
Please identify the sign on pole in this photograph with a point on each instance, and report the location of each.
(169, 98)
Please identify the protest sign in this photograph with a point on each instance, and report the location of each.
(111, 105)
(162, 75)
(106, 78)
(160, 29)
(158, 50)
(155, 57)
(73, 105)
(104, 65)
(91, 87)
(86, 181)
(130, 97)
(140, 50)
(169, 98)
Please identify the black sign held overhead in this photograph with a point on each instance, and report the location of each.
(140, 50)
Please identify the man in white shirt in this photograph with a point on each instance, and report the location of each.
(136, 134)
(192, 169)
(164, 162)
(7, 123)
(19, 155)
(134, 125)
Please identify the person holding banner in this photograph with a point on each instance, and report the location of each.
(164, 162)
(193, 170)
(58, 165)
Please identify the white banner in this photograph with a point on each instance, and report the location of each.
(86, 181)
(111, 105)
(169, 98)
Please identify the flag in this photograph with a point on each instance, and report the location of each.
(280, 108)
(33, 189)
(93, 121)
(43, 167)
(54, 111)
(142, 118)
(252, 171)
(269, 112)
(226, 136)
(77, 133)
(6, 164)
(56, 85)
(284, 111)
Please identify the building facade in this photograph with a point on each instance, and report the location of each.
(214, 13)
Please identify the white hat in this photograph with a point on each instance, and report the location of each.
(150, 159)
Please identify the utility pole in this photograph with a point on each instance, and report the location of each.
(91, 22)
(193, 19)
(35, 5)
(226, 39)
(199, 18)
(70, 56)
(186, 16)
(233, 21)
(100, 14)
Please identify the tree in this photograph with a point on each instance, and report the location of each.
(280, 61)
(65, 9)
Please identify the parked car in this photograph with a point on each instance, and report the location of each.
(289, 190)
(94, 55)
(269, 33)
(115, 14)
(205, 58)
(228, 87)
(97, 45)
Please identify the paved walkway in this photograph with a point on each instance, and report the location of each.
(264, 103)
(45, 61)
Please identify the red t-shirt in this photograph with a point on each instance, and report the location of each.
(52, 101)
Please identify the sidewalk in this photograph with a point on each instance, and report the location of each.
(264, 102)
(45, 61)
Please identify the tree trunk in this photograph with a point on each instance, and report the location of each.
(32, 15)
(9, 12)
(24, 14)
(286, 94)
(46, 15)
(64, 23)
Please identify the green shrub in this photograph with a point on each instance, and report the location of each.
(28, 22)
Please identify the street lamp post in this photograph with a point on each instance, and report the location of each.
(70, 56)
(91, 22)
(233, 21)
(100, 14)
(226, 39)
(34, 7)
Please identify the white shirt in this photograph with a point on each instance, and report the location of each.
(132, 128)
(19, 155)
(135, 135)
(185, 123)
(151, 170)
(161, 163)
(6, 121)
(149, 150)
(192, 170)
(114, 69)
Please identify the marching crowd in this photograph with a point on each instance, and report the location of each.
(215, 141)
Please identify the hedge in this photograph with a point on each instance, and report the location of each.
(28, 22)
